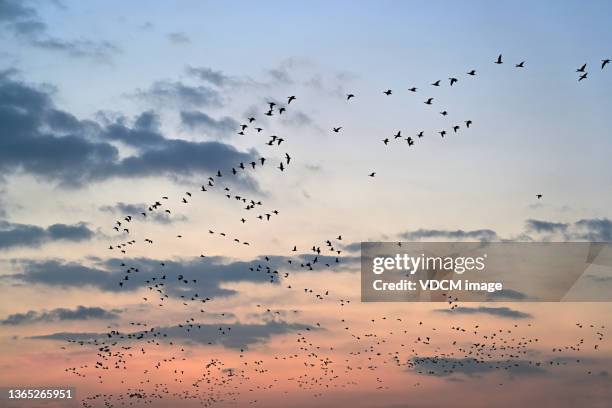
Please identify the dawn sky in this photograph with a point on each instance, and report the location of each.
(105, 107)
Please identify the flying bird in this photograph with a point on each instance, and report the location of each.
(499, 59)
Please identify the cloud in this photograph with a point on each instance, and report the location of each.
(60, 314)
(179, 38)
(24, 22)
(237, 335)
(210, 273)
(493, 311)
(197, 120)
(20, 235)
(545, 226)
(446, 366)
(136, 210)
(217, 78)
(38, 139)
(177, 93)
(507, 294)
(480, 234)
(594, 229)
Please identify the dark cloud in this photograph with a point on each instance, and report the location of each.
(471, 367)
(38, 139)
(79, 313)
(493, 311)
(237, 336)
(18, 235)
(594, 229)
(508, 294)
(197, 120)
(136, 210)
(23, 21)
(178, 38)
(545, 226)
(177, 93)
(217, 78)
(209, 272)
(480, 234)
(143, 133)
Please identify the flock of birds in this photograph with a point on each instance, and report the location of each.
(384, 342)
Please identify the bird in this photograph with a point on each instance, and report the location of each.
(499, 59)
(388, 92)
(453, 81)
(520, 64)
(291, 98)
(472, 72)
(539, 196)
(583, 76)
(437, 83)
(337, 129)
(604, 62)
(349, 96)
(442, 133)
(398, 134)
(428, 101)
(413, 89)
(444, 113)
(420, 134)
(385, 141)
(582, 68)
(468, 123)
(372, 174)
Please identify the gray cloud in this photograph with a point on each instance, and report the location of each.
(237, 337)
(79, 313)
(16, 235)
(23, 21)
(446, 366)
(507, 294)
(493, 311)
(480, 234)
(38, 139)
(178, 38)
(197, 120)
(594, 229)
(217, 78)
(136, 210)
(209, 272)
(164, 92)
(545, 226)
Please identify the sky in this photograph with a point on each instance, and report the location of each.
(106, 107)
